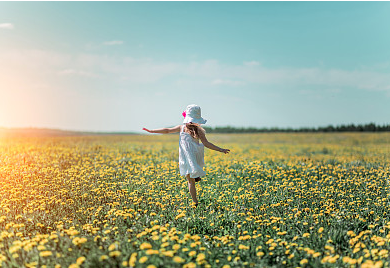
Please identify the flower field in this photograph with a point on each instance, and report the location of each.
(294, 200)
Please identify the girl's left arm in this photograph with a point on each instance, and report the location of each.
(163, 130)
(211, 146)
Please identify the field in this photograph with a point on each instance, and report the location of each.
(295, 200)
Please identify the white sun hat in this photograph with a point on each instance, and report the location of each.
(193, 114)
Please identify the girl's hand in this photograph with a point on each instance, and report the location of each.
(147, 130)
(225, 151)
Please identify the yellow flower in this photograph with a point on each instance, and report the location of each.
(133, 259)
(103, 257)
(320, 230)
(168, 253)
(181, 215)
(145, 245)
(192, 253)
(143, 259)
(189, 265)
(115, 253)
(260, 254)
(303, 261)
(200, 257)
(41, 247)
(317, 254)
(45, 253)
(165, 244)
(80, 260)
(242, 247)
(151, 251)
(178, 259)
(351, 233)
(112, 246)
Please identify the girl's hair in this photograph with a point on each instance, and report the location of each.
(194, 130)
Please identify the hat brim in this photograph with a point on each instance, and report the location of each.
(189, 119)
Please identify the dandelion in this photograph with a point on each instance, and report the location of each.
(303, 261)
(80, 260)
(145, 246)
(178, 259)
(113, 246)
(189, 265)
(143, 259)
(200, 257)
(133, 259)
(79, 240)
(260, 254)
(243, 247)
(192, 253)
(152, 252)
(103, 257)
(168, 253)
(115, 253)
(181, 215)
(45, 253)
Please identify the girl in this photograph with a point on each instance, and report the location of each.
(191, 153)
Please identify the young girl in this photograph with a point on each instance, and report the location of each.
(191, 153)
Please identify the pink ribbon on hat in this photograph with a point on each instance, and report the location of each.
(184, 114)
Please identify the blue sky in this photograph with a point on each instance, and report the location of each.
(121, 66)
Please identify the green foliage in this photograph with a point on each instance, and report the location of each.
(371, 127)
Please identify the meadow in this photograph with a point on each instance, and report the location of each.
(277, 200)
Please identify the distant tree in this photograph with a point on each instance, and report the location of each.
(371, 127)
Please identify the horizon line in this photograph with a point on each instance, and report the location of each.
(212, 127)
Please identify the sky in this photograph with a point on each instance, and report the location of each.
(121, 66)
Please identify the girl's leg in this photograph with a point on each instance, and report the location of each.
(192, 189)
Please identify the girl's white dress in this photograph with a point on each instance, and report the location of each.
(191, 156)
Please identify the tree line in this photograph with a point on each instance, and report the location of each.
(371, 127)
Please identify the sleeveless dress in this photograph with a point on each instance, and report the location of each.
(191, 155)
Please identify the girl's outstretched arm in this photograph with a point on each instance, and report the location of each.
(211, 146)
(163, 130)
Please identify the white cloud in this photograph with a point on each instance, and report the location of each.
(77, 72)
(8, 26)
(128, 71)
(113, 43)
(51, 80)
(251, 63)
(227, 82)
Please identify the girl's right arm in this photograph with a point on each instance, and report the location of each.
(211, 146)
(163, 130)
